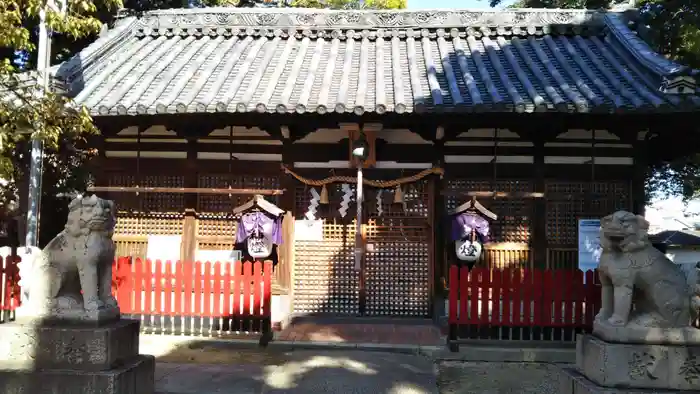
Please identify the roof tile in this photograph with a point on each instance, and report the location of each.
(356, 62)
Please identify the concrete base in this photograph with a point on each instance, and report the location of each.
(572, 382)
(134, 377)
(638, 366)
(281, 309)
(36, 345)
(646, 335)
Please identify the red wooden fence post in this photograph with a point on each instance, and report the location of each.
(197, 279)
(148, 286)
(517, 284)
(496, 285)
(507, 291)
(257, 291)
(207, 290)
(247, 278)
(124, 292)
(168, 291)
(188, 282)
(267, 289)
(216, 312)
(158, 288)
(453, 296)
(226, 307)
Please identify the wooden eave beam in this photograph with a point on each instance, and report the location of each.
(184, 190)
(491, 194)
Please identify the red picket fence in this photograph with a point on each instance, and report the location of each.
(180, 297)
(195, 298)
(515, 304)
(9, 288)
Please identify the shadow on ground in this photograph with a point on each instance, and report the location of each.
(202, 367)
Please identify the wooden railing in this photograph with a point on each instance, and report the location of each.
(199, 233)
(521, 304)
(195, 298)
(187, 298)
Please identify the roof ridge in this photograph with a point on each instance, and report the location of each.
(67, 70)
(305, 18)
(658, 64)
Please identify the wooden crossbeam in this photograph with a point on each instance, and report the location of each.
(184, 190)
(492, 194)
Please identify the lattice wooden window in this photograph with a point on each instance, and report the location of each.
(325, 280)
(514, 222)
(216, 232)
(567, 202)
(132, 230)
(148, 224)
(148, 202)
(416, 201)
(397, 267)
(223, 203)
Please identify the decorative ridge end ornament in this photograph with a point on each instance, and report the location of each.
(645, 296)
(682, 81)
(79, 259)
(300, 18)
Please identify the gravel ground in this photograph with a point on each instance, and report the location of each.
(456, 377)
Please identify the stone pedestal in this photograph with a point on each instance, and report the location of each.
(608, 367)
(46, 358)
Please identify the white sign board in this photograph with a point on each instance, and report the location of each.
(163, 247)
(308, 230)
(213, 256)
(588, 244)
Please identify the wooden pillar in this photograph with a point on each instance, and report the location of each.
(640, 168)
(285, 267)
(539, 219)
(98, 163)
(189, 226)
(438, 266)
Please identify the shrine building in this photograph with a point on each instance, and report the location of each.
(542, 117)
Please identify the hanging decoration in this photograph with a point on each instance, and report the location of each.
(259, 228)
(345, 202)
(324, 195)
(313, 205)
(369, 182)
(398, 195)
(380, 208)
(470, 230)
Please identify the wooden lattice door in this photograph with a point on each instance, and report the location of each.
(397, 265)
(395, 275)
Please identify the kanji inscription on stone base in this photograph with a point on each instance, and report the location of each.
(69, 337)
(642, 337)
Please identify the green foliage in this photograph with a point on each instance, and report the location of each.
(24, 113)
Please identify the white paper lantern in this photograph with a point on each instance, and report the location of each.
(469, 251)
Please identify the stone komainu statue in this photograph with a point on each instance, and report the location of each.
(79, 258)
(641, 287)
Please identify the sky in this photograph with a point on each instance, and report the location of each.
(672, 214)
(461, 4)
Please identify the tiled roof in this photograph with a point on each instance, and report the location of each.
(295, 60)
(682, 237)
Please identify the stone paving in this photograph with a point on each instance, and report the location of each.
(301, 371)
(388, 333)
(191, 366)
(456, 377)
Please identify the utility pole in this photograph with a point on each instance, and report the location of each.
(36, 171)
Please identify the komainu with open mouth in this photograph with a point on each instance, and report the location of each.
(72, 276)
(641, 286)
